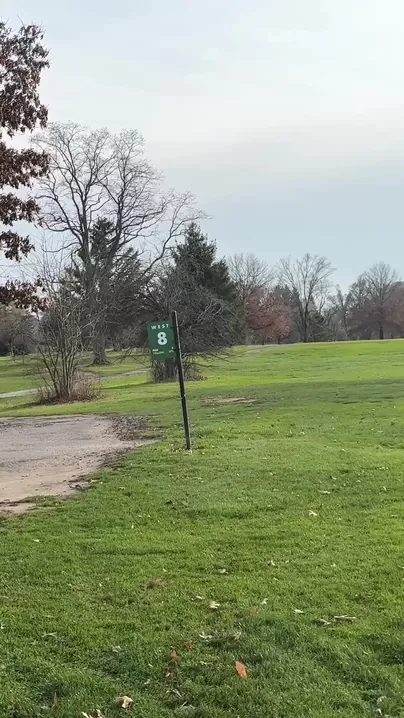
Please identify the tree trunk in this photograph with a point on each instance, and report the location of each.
(381, 332)
(164, 370)
(99, 353)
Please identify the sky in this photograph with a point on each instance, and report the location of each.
(284, 117)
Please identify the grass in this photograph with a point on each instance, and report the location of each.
(24, 373)
(324, 435)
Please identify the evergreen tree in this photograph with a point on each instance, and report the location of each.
(196, 257)
(198, 286)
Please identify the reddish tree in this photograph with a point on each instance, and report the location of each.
(267, 315)
(22, 59)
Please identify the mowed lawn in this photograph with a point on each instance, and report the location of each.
(288, 512)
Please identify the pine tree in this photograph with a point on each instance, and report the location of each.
(196, 257)
(198, 286)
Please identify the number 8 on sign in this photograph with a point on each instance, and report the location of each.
(162, 338)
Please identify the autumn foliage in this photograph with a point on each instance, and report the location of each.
(22, 59)
(267, 315)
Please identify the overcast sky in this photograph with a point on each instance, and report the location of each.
(284, 117)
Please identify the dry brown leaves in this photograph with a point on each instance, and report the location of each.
(241, 669)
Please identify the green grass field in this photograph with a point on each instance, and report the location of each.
(17, 374)
(298, 495)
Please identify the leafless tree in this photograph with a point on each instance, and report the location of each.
(94, 175)
(338, 310)
(249, 273)
(377, 302)
(59, 333)
(308, 280)
(208, 324)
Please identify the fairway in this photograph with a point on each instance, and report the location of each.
(277, 543)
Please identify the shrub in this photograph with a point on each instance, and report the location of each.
(86, 387)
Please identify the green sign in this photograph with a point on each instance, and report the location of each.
(161, 340)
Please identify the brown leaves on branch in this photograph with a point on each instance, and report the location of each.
(22, 295)
(22, 59)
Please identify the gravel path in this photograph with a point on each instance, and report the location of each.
(51, 455)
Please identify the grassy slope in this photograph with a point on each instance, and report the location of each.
(17, 373)
(79, 622)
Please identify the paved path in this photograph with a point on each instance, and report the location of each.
(51, 455)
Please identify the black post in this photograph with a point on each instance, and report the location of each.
(181, 380)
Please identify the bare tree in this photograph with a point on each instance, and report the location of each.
(94, 175)
(376, 302)
(382, 281)
(249, 273)
(338, 312)
(58, 334)
(308, 280)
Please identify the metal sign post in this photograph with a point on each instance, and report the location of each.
(164, 342)
(181, 381)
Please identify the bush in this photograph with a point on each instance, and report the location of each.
(85, 388)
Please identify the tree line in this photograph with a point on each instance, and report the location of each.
(128, 251)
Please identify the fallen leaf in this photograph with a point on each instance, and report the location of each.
(214, 606)
(298, 611)
(55, 700)
(185, 708)
(222, 571)
(198, 598)
(36, 540)
(311, 513)
(172, 669)
(254, 612)
(241, 669)
(323, 622)
(155, 583)
(264, 602)
(124, 702)
(188, 644)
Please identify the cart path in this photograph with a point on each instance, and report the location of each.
(111, 377)
(51, 455)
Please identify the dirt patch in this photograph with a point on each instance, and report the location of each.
(219, 400)
(50, 456)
